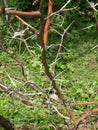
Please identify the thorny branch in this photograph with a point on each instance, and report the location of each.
(44, 61)
(51, 77)
(43, 37)
(62, 37)
(84, 116)
(18, 96)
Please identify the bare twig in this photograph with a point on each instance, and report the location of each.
(33, 85)
(30, 53)
(64, 10)
(84, 116)
(94, 47)
(31, 27)
(17, 95)
(62, 37)
(60, 114)
(92, 5)
(83, 103)
(65, 4)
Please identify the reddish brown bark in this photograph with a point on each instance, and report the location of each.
(84, 116)
(21, 13)
(50, 6)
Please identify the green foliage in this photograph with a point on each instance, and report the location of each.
(21, 5)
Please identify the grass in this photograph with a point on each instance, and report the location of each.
(82, 75)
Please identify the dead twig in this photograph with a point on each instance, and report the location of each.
(28, 25)
(83, 103)
(84, 116)
(18, 96)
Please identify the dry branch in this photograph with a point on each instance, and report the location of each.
(84, 116)
(24, 22)
(43, 36)
(21, 13)
(16, 95)
(83, 103)
(91, 4)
